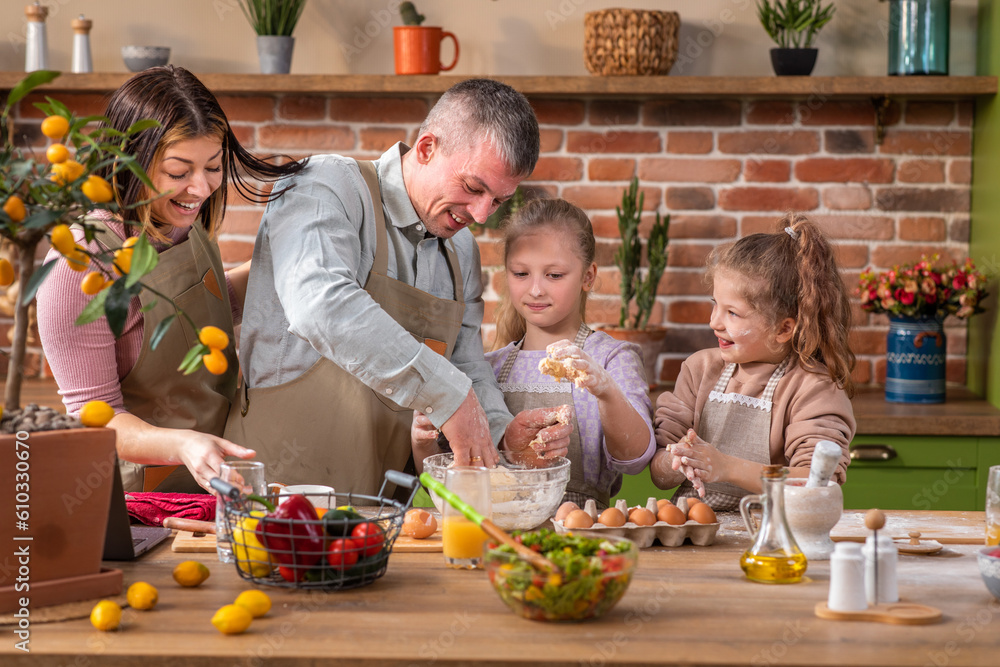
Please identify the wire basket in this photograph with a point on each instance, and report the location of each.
(630, 41)
(317, 553)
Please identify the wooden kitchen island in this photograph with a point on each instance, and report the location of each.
(686, 606)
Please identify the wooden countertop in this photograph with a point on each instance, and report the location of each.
(686, 606)
(942, 87)
(963, 413)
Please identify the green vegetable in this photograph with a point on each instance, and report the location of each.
(340, 522)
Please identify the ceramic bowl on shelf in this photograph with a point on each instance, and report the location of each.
(523, 498)
(989, 568)
(138, 58)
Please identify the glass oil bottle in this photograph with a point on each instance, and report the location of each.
(774, 558)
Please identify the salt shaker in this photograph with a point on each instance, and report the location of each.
(880, 562)
(36, 54)
(81, 45)
(847, 578)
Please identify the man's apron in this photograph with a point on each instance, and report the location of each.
(154, 390)
(328, 427)
(736, 425)
(526, 396)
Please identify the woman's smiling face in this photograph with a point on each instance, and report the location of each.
(187, 175)
(744, 333)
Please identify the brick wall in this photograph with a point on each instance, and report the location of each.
(721, 168)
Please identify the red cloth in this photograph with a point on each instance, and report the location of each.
(152, 508)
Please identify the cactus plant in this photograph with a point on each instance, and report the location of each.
(409, 14)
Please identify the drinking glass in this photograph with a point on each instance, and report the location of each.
(993, 507)
(249, 477)
(462, 540)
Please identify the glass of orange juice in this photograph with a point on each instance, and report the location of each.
(462, 540)
(993, 507)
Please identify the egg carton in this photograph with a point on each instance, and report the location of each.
(700, 534)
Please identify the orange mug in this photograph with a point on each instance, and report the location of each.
(418, 49)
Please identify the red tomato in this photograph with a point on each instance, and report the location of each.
(292, 573)
(343, 554)
(995, 553)
(369, 537)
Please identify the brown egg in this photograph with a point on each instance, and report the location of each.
(565, 509)
(419, 524)
(642, 517)
(661, 503)
(578, 519)
(702, 513)
(672, 515)
(612, 517)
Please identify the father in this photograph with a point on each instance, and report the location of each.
(357, 313)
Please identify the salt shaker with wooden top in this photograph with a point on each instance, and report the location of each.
(880, 562)
(36, 54)
(82, 62)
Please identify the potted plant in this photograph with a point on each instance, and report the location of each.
(274, 21)
(638, 291)
(417, 47)
(918, 297)
(793, 24)
(62, 478)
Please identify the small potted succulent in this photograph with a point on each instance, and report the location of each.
(793, 25)
(418, 47)
(274, 21)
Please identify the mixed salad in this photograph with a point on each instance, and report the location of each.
(594, 574)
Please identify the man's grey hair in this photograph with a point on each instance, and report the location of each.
(478, 109)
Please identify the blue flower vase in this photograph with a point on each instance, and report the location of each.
(915, 360)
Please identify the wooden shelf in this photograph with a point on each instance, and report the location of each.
(942, 87)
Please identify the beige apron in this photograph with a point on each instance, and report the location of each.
(191, 274)
(737, 425)
(527, 396)
(328, 427)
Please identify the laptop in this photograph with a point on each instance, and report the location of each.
(124, 541)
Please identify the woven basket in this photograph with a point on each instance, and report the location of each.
(630, 41)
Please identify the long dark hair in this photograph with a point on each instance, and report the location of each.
(185, 109)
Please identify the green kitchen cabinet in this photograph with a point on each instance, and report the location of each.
(637, 489)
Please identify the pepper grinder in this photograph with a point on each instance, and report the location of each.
(880, 562)
(36, 54)
(81, 45)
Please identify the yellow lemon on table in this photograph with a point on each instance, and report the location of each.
(55, 127)
(14, 208)
(141, 595)
(6, 272)
(93, 283)
(256, 602)
(190, 573)
(96, 189)
(96, 413)
(232, 619)
(57, 153)
(62, 239)
(106, 615)
(214, 337)
(215, 362)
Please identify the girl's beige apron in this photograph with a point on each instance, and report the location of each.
(328, 427)
(737, 425)
(525, 396)
(191, 274)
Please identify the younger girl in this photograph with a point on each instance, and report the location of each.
(548, 252)
(780, 379)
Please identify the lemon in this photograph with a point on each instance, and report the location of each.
(123, 261)
(67, 172)
(232, 619)
(141, 595)
(130, 241)
(96, 189)
(251, 556)
(57, 153)
(6, 272)
(14, 208)
(106, 615)
(78, 260)
(93, 283)
(62, 239)
(215, 362)
(256, 602)
(190, 573)
(55, 127)
(96, 413)
(214, 337)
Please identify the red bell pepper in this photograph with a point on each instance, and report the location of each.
(291, 532)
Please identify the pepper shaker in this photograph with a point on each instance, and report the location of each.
(880, 562)
(847, 578)
(36, 54)
(81, 45)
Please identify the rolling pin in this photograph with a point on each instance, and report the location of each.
(189, 524)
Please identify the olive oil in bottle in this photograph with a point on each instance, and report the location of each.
(774, 558)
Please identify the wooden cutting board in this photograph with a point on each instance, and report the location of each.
(944, 527)
(406, 544)
(187, 542)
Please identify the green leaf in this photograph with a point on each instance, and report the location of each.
(149, 306)
(161, 330)
(94, 310)
(192, 360)
(141, 125)
(144, 260)
(43, 218)
(36, 280)
(29, 83)
(140, 173)
(116, 307)
(58, 108)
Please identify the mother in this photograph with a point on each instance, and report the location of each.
(162, 418)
